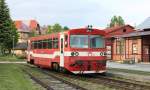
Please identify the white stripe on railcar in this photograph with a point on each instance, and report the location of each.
(66, 54)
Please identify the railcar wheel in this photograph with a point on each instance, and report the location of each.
(55, 66)
(63, 70)
(31, 61)
(103, 74)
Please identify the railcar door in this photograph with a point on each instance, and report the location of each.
(28, 51)
(61, 50)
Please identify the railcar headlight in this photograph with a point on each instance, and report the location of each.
(74, 54)
(105, 53)
(101, 54)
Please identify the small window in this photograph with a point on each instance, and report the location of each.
(124, 30)
(66, 40)
(32, 45)
(134, 46)
(49, 43)
(55, 43)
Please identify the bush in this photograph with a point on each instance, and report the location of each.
(21, 57)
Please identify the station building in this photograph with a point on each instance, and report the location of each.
(130, 44)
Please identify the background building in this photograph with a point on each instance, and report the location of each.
(25, 28)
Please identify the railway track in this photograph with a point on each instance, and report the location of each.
(107, 81)
(121, 84)
(51, 82)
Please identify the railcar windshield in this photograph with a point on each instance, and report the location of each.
(79, 41)
(96, 41)
(86, 41)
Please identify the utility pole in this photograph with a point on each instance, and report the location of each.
(13, 44)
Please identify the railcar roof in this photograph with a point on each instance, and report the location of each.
(71, 31)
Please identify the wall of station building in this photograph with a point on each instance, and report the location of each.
(127, 49)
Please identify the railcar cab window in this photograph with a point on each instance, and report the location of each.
(96, 41)
(79, 41)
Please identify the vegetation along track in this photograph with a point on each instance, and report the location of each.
(52, 82)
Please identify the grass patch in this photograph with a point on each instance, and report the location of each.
(130, 71)
(13, 78)
(11, 58)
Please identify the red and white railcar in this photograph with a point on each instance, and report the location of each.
(77, 50)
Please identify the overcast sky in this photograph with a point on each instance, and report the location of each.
(79, 13)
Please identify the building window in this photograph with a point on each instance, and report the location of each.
(134, 47)
(124, 30)
(120, 46)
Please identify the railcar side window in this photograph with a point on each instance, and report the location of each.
(44, 44)
(50, 44)
(39, 44)
(32, 45)
(35, 45)
(55, 43)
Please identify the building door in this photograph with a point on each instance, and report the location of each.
(146, 53)
(62, 50)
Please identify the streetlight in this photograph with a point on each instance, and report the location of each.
(13, 44)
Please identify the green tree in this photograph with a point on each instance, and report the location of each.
(8, 32)
(57, 28)
(120, 21)
(116, 21)
(49, 29)
(65, 28)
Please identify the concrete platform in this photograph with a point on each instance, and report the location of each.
(137, 66)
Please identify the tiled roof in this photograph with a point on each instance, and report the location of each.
(109, 30)
(33, 24)
(134, 34)
(144, 25)
(26, 25)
